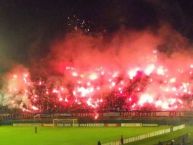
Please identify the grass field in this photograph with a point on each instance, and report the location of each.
(67, 136)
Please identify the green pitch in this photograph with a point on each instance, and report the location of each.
(67, 136)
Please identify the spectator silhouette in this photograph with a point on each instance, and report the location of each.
(99, 143)
(122, 141)
(160, 143)
(36, 129)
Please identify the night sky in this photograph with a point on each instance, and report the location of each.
(27, 27)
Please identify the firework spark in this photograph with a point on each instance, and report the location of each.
(128, 73)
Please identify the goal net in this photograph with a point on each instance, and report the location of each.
(65, 122)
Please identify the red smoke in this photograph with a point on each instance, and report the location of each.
(125, 71)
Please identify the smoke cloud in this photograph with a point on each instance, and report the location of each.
(140, 69)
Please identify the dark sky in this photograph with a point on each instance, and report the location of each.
(28, 26)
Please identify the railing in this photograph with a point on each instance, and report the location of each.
(145, 136)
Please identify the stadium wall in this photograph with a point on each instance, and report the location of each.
(85, 121)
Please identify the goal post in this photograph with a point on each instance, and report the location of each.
(64, 122)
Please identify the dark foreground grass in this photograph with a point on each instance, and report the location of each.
(67, 136)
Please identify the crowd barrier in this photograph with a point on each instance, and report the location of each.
(105, 125)
(131, 124)
(91, 124)
(27, 124)
(85, 124)
(145, 136)
(178, 127)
